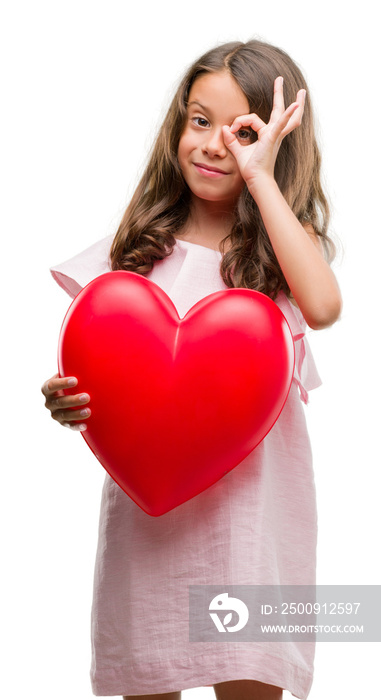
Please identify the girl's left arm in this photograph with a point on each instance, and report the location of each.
(312, 283)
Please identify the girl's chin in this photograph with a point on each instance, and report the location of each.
(215, 198)
(211, 191)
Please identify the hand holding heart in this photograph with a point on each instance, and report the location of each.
(66, 410)
(258, 159)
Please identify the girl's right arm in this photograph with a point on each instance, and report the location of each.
(61, 406)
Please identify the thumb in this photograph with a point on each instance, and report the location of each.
(230, 141)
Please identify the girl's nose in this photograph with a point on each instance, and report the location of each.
(214, 143)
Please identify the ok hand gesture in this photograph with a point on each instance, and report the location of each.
(258, 159)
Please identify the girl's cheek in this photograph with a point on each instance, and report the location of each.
(186, 145)
(185, 140)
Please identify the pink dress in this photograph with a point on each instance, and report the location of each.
(256, 525)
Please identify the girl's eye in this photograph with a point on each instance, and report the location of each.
(246, 135)
(200, 121)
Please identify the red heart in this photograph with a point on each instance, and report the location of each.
(176, 403)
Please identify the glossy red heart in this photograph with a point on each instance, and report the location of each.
(176, 403)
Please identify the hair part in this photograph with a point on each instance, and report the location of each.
(160, 205)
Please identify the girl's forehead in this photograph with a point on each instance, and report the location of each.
(219, 94)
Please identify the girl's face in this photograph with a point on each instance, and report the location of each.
(209, 168)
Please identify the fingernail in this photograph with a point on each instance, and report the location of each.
(82, 427)
(72, 381)
(84, 412)
(83, 397)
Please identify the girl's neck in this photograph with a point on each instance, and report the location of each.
(208, 224)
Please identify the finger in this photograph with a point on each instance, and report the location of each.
(230, 141)
(57, 383)
(278, 103)
(70, 416)
(79, 426)
(247, 120)
(281, 128)
(75, 426)
(295, 118)
(68, 401)
(244, 120)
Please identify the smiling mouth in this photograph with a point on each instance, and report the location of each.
(209, 169)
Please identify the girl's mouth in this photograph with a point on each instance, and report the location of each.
(207, 171)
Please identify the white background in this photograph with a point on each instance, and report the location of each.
(84, 86)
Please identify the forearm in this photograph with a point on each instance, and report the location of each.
(310, 278)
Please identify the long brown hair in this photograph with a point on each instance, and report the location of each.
(161, 202)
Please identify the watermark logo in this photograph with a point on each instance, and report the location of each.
(300, 613)
(223, 602)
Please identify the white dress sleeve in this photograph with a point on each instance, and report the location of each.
(75, 273)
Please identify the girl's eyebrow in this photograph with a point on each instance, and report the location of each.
(207, 109)
(194, 102)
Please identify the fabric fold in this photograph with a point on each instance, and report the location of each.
(305, 372)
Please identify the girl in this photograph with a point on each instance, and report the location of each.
(231, 197)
